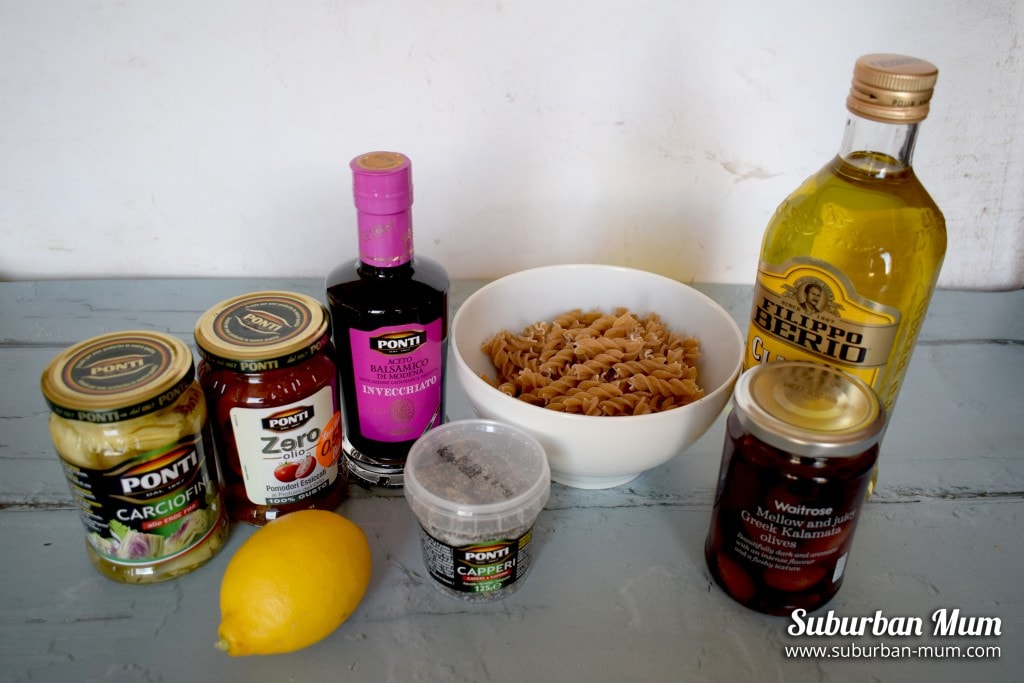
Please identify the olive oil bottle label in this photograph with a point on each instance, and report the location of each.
(806, 309)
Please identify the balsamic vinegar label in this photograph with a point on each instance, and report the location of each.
(398, 380)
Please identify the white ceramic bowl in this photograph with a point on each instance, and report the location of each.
(591, 451)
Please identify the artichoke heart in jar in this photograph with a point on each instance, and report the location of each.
(129, 424)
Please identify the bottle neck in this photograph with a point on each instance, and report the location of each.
(385, 241)
(878, 148)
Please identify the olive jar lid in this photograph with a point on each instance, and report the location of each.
(809, 409)
(118, 376)
(263, 331)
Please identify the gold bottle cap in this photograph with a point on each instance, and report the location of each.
(808, 409)
(892, 88)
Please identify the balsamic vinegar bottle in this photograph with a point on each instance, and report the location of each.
(850, 259)
(390, 315)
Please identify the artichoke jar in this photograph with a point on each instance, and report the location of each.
(130, 426)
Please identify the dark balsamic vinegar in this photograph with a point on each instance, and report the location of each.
(389, 311)
(366, 298)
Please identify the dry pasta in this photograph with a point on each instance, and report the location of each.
(597, 363)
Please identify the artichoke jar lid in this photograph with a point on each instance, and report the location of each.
(118, 376)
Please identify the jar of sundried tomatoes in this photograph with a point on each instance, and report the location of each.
(801, 445)
(270, 380)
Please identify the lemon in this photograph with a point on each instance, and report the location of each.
(292, 583)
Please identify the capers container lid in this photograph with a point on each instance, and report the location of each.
(809, 409)
(477, 478)
(263, 331)
(118, 376)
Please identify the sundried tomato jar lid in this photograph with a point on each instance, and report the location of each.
(808, 409)
(118, 376)
(263, 331)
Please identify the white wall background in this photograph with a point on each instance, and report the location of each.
(212, 138)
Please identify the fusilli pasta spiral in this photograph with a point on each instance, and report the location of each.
(597, 363)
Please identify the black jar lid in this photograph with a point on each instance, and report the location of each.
(263, 331)
(809, 409)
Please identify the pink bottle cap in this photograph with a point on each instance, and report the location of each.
(382, 182)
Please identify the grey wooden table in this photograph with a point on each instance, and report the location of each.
(619, 590)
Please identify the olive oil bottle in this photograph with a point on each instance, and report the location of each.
(849, 260)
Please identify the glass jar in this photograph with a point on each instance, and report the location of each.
(130, 426)
(796, 469)
(270, 379)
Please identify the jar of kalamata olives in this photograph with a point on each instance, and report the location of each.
(801, 446)
(130, 426)
(270, 379)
